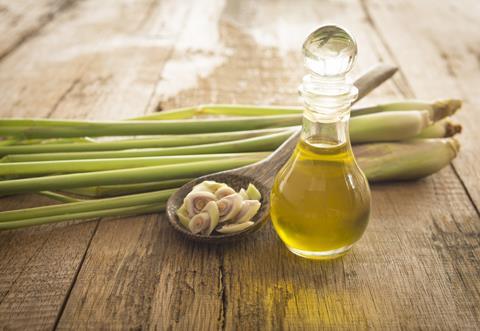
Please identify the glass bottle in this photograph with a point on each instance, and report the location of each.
(320, 201)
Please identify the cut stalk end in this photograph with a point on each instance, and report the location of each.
(444, 108)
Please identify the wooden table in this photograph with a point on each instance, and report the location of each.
(418, 265)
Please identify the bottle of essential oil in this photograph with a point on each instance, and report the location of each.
(320, 202)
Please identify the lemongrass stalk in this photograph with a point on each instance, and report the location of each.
(256, 144)
(56, 141)
(156, 142)
(441, 129)
(38, 142)
(405, 160)
(117, 212)
(117, 190)
(384, 126)
(7, 142)
(46, 128)
(87, 205)
(30, 169)
(380, 162)
(59, 197)
(221, 109)
(123, 176)
(438, 109)
(388, 126)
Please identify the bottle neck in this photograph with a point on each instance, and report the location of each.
(327, 103)
(325, 132)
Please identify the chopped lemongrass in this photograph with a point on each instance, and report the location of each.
(212, 209)
(229, 206)
(234, 228)
(253, 193)
(248, 210)
(195, 201)
(182, 215)
(210, 203)
(243, 194)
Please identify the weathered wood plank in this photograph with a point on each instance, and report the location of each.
(36, 272)
(416, 267)
(176, 284)
(98, 61)
(21, 20)
(439, 55)
(139, 274)
(401, 275)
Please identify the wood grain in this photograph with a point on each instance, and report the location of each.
(417, 266)
(438, 63)
(23, 21)
(84, 75)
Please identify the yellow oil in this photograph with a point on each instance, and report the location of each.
(320, 202)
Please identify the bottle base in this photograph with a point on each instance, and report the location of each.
(321, 255)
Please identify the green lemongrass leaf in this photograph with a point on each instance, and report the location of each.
(154, 142)
(117, 190)
(123, 176)
(88, 215)
(437, 109)
(86, 206)
(37, 168)
(221, 109)
(59, 197)
(46, 128)
(256, 144)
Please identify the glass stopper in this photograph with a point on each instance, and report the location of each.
(329, 51)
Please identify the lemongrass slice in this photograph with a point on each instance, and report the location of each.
(195, 201)
(199, 223)
(248, 210)
(253, 193)
(183, 216)
(212, 210)
(208, 186)
(229, 207)
(224, 191)
(233, 228)
(243, 194)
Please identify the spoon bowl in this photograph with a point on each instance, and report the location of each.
(260, 174)
(235, 181)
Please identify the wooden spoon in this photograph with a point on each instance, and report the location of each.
(260, 174)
